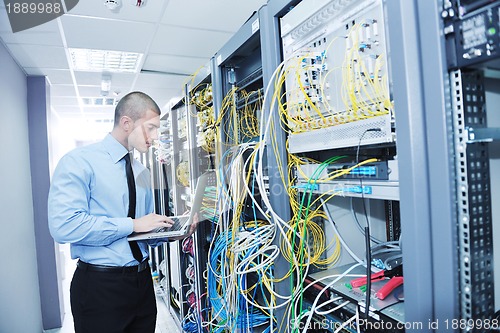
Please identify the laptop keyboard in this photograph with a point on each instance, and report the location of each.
(165, 229)
(177, 224)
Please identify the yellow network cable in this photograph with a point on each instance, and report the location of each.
(225, 119)
(249, 124)
(316, 239)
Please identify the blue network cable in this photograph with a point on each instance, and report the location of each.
(217, 301)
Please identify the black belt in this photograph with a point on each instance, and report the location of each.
(112, 269)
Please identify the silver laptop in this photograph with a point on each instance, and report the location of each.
(181, 222)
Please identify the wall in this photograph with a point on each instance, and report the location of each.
(20, 300)
(51, 290)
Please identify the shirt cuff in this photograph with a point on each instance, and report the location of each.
(125, 226)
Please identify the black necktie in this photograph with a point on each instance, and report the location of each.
(136, 251)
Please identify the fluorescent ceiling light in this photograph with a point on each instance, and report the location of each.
(104, 60)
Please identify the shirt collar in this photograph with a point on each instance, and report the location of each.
(114, 148)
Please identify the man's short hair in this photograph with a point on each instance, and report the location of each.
(135, 105)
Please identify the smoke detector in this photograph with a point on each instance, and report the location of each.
(113, 5)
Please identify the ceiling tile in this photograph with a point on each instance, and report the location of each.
(94, 78)
(161, 96)
(89, 90)
(221, 15)
(150, 80)
(172, 64)
(62, 90)
(45, 34)
(188, 42)
(55, 76)
(4, 21)
(39, 56)
(103, 34)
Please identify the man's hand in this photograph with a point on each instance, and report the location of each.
(151, 221)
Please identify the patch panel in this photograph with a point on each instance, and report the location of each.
(336, 74)
(374, 171)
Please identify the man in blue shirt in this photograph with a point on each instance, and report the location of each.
(111, 290)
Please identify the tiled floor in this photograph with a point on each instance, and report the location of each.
(164, 324)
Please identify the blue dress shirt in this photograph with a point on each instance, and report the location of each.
(88, 203)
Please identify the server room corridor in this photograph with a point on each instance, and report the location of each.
(285, 166)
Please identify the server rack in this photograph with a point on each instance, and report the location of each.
(472, 41)
(202, 159)
(342, 135)
(239, 83)
(432, 91)
(185, 152)
(169, 203)
(439, 285)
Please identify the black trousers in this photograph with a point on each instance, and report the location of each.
(113, 302)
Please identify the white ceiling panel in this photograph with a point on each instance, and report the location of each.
(160, 95)
(188, 42)
(102, 34)
(89, 91)
(151, 12)
(173, 64)
(163, 97)
(150, 80)
(208, 14)
(45, 34)
(94, 78)
(38, 56)
(55, 76)
(4, 21)
(62, 90)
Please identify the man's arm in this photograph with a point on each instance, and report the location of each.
(68, 208)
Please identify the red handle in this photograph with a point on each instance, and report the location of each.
(362, 281)
(389, 287)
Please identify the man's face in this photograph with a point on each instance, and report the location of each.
(145, 132)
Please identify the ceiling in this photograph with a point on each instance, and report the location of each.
(177, 38)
